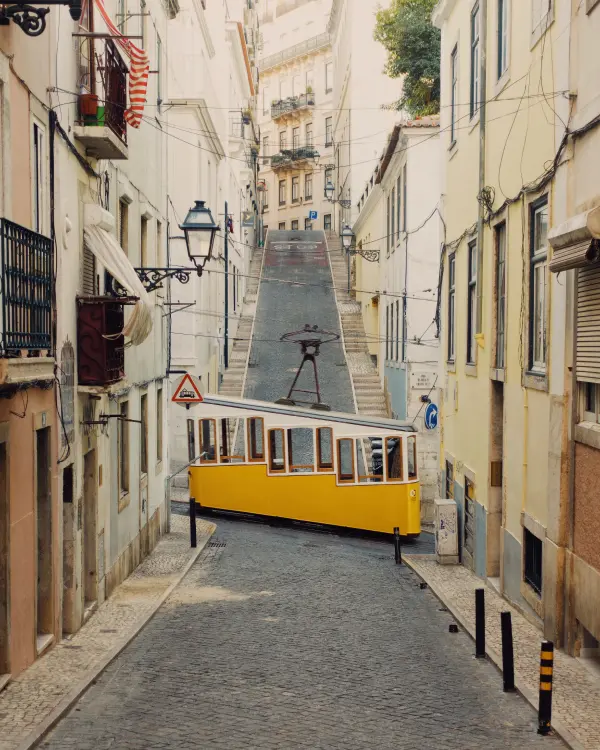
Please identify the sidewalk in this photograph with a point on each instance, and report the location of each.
(33, 703)
(576, 692)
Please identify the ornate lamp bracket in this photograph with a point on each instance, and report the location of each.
(32, 19)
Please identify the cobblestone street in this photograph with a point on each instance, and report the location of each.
(287, 638)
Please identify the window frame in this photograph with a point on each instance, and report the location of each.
(345, 478)
(270, 468)
(123, 448)
(328, 131)
(388, 478)
(327, 223)
(325, 467)
(471, 358)
(475, 58)
(308, 186)
(290, 450)
(144, 433)
(282, 140)
(453, 93)
(258, 458)
(502, 37)
(201, 436)
(398, 205)
(282, 191)
(500, 230)
(281, 226)
(295, 137)
(38, 176)
(537, 258)
(534, 546)
(295, 189)
(191, 439)
(411, 446)
(451, 353)
(308, 134)
(586, 415)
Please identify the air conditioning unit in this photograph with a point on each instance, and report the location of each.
(446, 532)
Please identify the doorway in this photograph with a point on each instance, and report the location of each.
(44, 539)
(90, 511)
(496, 490)
(4, 565)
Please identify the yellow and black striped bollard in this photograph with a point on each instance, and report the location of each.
(545, 705)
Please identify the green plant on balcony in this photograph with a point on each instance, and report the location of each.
(246, 116)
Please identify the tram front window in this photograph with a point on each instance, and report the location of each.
(300, 450)
(412, 456)
(232, 449)
(394, 459)
(368, 460)
(208, 441)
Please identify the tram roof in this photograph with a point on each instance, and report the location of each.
(317, 415)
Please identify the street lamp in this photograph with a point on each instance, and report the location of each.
(329, 190)
(347, 236)
(199, 229)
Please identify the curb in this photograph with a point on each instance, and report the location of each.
(496, 659)
(37, 735)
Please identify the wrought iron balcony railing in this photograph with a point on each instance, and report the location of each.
(291, 157)
(26, 280)
(291, 104)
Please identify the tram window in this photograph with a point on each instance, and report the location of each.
(232, 449)
(346, 460)
(325, 448)
(368, 460)
(411, 449)
(191, 440)
(256, 438)
(300, 450)
(208, 441)
(393, 449)
(276, 450)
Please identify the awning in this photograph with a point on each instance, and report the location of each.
(575, 243)
(111, 255)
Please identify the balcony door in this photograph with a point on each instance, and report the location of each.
(4, 552)
(44, 538)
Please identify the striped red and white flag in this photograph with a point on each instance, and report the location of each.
(138, 70)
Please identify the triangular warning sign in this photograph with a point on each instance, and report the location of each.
(187, 392)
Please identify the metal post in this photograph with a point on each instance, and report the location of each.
(192, 522)
(226, 253)
(508, 660)
(480, 623)
(545, 704)
(348, 256)
(397, 547)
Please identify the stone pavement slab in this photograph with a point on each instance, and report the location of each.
(35, 700)
(576, 691)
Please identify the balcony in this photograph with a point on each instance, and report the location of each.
(100, 341)
(297, 158)
(102, 127)
(291, 106)
(303, 49)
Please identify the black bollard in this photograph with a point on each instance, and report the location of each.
(397, 547)
(508, 659)
(192, 521)
(545, 704)
(480, 623)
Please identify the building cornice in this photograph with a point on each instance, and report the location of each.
(441, 12)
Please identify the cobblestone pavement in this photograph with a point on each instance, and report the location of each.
(286, 307)
(295, 639)
(28, 702)
(576, 691)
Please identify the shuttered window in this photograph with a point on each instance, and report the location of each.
(588, 325)
(88, 272)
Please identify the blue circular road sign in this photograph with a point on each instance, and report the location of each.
(431, 416)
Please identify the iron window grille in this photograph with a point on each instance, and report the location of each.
(532, 565)
(26, 272)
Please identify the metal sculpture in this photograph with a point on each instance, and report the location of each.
(311, 339)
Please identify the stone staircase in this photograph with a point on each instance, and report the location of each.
(235, 375)
(370, 398)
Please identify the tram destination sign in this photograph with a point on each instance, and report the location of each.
(187, 391)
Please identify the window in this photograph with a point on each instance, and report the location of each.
(405, 198)
(368, 460)
(295, 189)
(398, 203)
(308, 182)
(144, 242)
(538, 285)
(388, 226)
(159, 424)
(307, 224)
(67, 392)
(282, 139)
(235, 289)
(345, 460)
(282, 226)
(324, 449)
(328, 77)
(38, 177)
(411, 450)
(300, 450)
(266, 197)
(541, 15)
(266, 146)
(397, 328)
(451, 306)
(144, 433)
(532, 564)
(393, 449)
(327, 222)
(475, 63)
(208, 441)
(281, 192)
(500, 242)
(387, 332)
(309, 134)
(391, 331)
(328, 131)
(502, 37)
(294, 225)
(590, 398)
(472, 302)
(449, 480)
(295, 138)
(123, 447)
(393, 217)
(328, 176)
(159, 245)
(453, 93)
(124, 225)
(191, 440)
(469, 517)
(256, 438)
(232, 443)
(310, 80)
(276, 451)
(122, 16)
(158, 71)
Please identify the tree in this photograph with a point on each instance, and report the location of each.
(413, 48)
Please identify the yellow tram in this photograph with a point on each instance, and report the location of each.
(328, 468)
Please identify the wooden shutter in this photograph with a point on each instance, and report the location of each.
(89, 276)
(588, 325)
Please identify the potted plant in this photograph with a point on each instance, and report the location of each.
(310, 95)
(88, 105)
(246, 116)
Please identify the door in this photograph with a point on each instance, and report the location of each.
(469, 524)
(4, 569)
(90, 515)
(44, 537)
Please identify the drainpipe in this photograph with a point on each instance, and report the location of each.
(482, 115)
(226, 253)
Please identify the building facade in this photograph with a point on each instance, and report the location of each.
(398, 222)
(503, 455)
